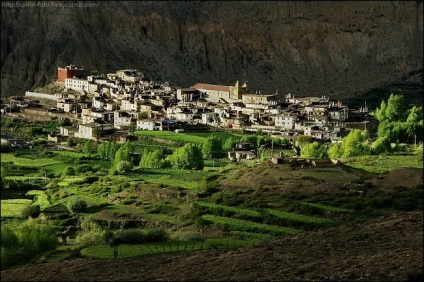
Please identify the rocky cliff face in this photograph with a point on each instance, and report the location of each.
(305, 48)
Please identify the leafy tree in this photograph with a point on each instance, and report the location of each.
(212, 147)
(314, 150)
(151, 159)
(8, 238)
(187, 157)
(253, 139)
(228, 144)
(335, 151)
(302, 140)
(354, 144)
(123, 154)
(124, 166)
(71, 142)
(107, 150)
(76, 205)
(88, 147)
(381, 145)
(142, 115)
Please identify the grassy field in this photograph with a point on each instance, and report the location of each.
(171, 135)
(13, 208)
(299, 218)
(382, 163)
(249, 226)
(35, 162)
(236, 211)
(131, 251)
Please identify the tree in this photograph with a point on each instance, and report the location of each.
(77, 205)
(151, 159)
(381, 145)
(107, 150)
(302, 140)
(314, 150)
(187, 157)
(335, 151)
(212, 147)
(88, 147)
(228, 144)
(142, 115)
(354, 144)
(123, 154)
(124, 166)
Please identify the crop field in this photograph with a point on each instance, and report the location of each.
(38, 162)
(13, 208)
(131, 251)
(244, 225)
(299, 218)
(171, 135)
(326, 208)
(40, 198)
(236, 211)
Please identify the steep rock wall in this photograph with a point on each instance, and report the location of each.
(306, 48)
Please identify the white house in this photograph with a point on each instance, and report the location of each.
(76, 84)
(149, 124)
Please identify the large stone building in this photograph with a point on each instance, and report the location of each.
(69, 72)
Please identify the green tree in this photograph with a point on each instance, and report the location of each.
(123, 154)
(124, 166)
(302, 140)
(314, 150)
(77, 205)
(30, 210)
(151, 159)
(228, 144)
(212, 147)
(107, 150)
(187, 157)
(381, 145)
(89, 147)
(335, 151)
(142, 115)
(355, 144)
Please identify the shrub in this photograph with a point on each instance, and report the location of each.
(31, 210)
(76, 205)
(137, 236)
(68, 171)
(123, 166)
(90, 234)
(8, 238)
(83, 168)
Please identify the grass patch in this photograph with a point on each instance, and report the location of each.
(382, 163)
(172, 136)
(13, 208)
(216, 208)
(36, 162)
(299, 218)
(326, 208)
(40, 198)
(244, 225)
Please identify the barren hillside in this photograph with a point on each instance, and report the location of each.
(306, 48)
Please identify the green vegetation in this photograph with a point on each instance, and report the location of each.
(299, 218)
(168, 192)
(244, 225)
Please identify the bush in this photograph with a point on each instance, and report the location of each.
(123, 166)
(76, 205)
(91, 234)
(31, 210)
(83, 168)
(68, 171)
(137, 236)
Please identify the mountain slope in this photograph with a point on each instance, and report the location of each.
(306, 48)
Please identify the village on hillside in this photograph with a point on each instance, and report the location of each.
(111, 106)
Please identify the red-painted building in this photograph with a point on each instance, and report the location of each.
(69, 72)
